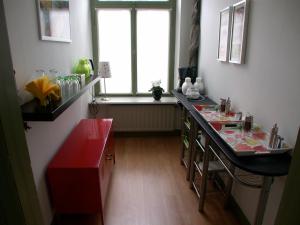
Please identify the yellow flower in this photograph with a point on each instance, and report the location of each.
(42, 88)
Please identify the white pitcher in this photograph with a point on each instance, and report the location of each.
(187, 84)
(199, 85)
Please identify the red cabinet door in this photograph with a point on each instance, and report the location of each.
(106, 167)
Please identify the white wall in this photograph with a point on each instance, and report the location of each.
(29, 54)
(43, 140)
(267, 85)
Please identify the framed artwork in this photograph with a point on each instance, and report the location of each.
(224, 34)
(54, 20)
(239, 24)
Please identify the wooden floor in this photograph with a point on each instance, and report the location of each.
(148, 187)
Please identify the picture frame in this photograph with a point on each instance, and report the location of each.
(239, 25)
(224, 33)
(54, 20)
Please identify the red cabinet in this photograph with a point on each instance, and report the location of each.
(79, 174)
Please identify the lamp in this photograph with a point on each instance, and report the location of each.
(104, 72)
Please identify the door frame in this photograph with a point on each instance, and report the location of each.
(288, 212)
(19, 202)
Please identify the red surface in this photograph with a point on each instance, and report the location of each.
(229, 131)
(78, 176)
(199, 107)
(217, 125)
(84, 146)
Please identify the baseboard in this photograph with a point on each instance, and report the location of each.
(146, 133)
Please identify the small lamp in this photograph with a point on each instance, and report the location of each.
(104, 72)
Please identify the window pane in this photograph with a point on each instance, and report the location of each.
(153, 27)
(114, 29)
(133, 0)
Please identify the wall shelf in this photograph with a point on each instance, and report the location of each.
(32, 111)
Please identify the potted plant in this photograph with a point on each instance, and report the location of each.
(156, 90)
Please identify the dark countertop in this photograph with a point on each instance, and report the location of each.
(267, 165)
(32, 111)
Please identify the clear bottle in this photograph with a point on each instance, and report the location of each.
(39, 73)
(227, 106)
(75, 85)
(60, 82)
(67, 87)
(53, 74)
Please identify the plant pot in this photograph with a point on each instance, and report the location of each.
(157, 94)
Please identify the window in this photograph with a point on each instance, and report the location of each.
(153, 27)
(132, 0)
(115, 47)
(137, 38)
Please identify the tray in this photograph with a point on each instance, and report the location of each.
(254, 142)
(200, 98)
(210, 114)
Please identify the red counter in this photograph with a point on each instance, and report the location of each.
(79, 174)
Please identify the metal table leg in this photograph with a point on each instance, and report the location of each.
(182, 133)
(229, 186)
(192, 138)
(193, 156)
(204, 176)
(263, 199)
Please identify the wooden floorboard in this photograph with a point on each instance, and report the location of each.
(148, 187)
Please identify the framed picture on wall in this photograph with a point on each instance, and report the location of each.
(54, 20)
(224, 33)
(239, 24)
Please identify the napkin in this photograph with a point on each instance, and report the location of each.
(43, 89)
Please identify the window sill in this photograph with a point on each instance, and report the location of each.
(137, 101)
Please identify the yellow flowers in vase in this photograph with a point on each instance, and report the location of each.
(44, 90)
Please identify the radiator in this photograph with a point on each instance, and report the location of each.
(140, 117)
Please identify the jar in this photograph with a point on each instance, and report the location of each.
(192, 93)
(60, 82)
(74, 85)
(248, 123)
(187, 84)
(199, 85)
(222, 105)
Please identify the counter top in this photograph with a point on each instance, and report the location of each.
(32, 111)
(266, 165)
(132, 100)
(84, 146)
